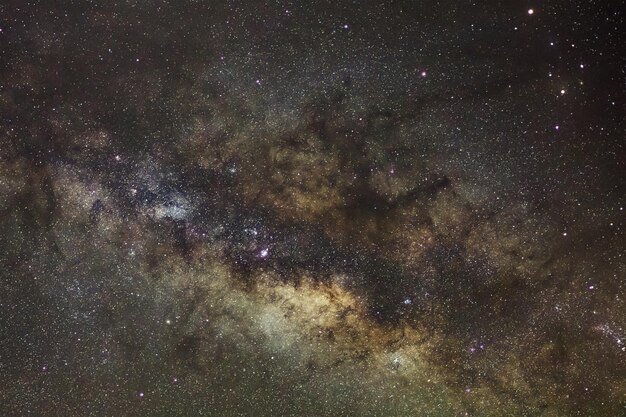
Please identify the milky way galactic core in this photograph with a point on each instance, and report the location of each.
(290, 208)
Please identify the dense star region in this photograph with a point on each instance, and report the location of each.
(312, 208)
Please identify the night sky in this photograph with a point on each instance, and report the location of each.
(312, 208)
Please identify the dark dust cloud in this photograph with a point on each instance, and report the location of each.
(294, 208)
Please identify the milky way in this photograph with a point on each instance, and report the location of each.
(312, 208)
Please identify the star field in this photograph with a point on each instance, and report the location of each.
(283, 208)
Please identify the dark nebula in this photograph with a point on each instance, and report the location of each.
(311, 208)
